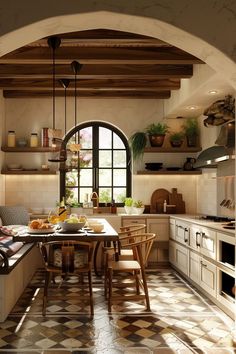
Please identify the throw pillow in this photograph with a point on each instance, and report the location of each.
(14, 215)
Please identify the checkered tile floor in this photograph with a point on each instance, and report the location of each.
(181, 321)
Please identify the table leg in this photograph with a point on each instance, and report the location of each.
(95, 258)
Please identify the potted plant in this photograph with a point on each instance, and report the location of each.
(191, 131)
(138, 207)
(156, 133)
(128, 205)
(138, 142)
(176, 139)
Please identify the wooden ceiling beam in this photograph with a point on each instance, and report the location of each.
(28, 84)
(101, 55)
(97, 71)
(89, 94)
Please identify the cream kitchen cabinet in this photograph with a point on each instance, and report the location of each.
(159, 254)
(207, 258)
(203, 240)
(194, 266)
(182, 232)
(172, 228)
(180, 257)
(208, 276)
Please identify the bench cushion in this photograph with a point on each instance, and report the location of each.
(14, 215)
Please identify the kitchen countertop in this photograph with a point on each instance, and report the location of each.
(218, 226)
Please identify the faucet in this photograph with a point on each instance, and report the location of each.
(95, 199)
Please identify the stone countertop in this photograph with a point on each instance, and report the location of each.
(217, 226)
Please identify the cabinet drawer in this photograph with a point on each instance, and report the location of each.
(208, 243)
(131, 221)
(182, 232)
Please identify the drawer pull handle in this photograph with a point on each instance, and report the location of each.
(197, 241)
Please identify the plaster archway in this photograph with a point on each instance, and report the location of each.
(153, 27)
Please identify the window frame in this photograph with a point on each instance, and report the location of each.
(95, 138)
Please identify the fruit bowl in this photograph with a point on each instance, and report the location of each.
(69, 226)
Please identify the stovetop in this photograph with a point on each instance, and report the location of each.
(216, 218)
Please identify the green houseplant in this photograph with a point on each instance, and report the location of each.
(156, 133)
(176, 139)
(128, 205)
(191, 130)
(138, 140)
(138, 207)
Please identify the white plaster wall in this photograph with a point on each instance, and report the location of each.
(26, 116)
(144, 186)
(207, 192)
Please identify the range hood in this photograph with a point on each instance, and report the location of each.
(224, 150)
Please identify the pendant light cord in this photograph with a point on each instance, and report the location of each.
(53, 88)
(75, 105)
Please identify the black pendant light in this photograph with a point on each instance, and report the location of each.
(54, 43)
(63, 154)
(75, 147)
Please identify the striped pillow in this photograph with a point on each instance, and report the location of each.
(9, 246)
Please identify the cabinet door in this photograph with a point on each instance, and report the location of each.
(160, 247)
(208, 243)
(208, 276)
(172, 229)
(160, 227)
(172, 252)
(194, 266)
(181, 258)
(182, 232)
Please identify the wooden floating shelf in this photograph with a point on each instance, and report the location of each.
(174, 150)
(165, 172)
(27, 149)
(28, 172)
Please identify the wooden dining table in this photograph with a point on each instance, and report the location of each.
(107, 236)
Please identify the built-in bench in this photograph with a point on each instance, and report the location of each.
(15, 274)
(18, 266)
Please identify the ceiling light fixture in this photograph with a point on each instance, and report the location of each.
(75, 147)
(192, 108)
(53, 133)
(213, 92)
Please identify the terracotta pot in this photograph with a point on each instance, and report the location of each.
(156, 140)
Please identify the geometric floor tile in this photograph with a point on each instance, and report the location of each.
(180, 321)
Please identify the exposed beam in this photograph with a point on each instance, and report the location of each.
(97, 71)
(103, 84)
(101, 55)
(92, 93)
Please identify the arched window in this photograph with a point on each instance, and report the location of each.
(103, 165)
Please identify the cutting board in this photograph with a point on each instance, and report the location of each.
(157, 200)
(177, 199)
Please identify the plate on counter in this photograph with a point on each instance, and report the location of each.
(95, 232)
(40, 231)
